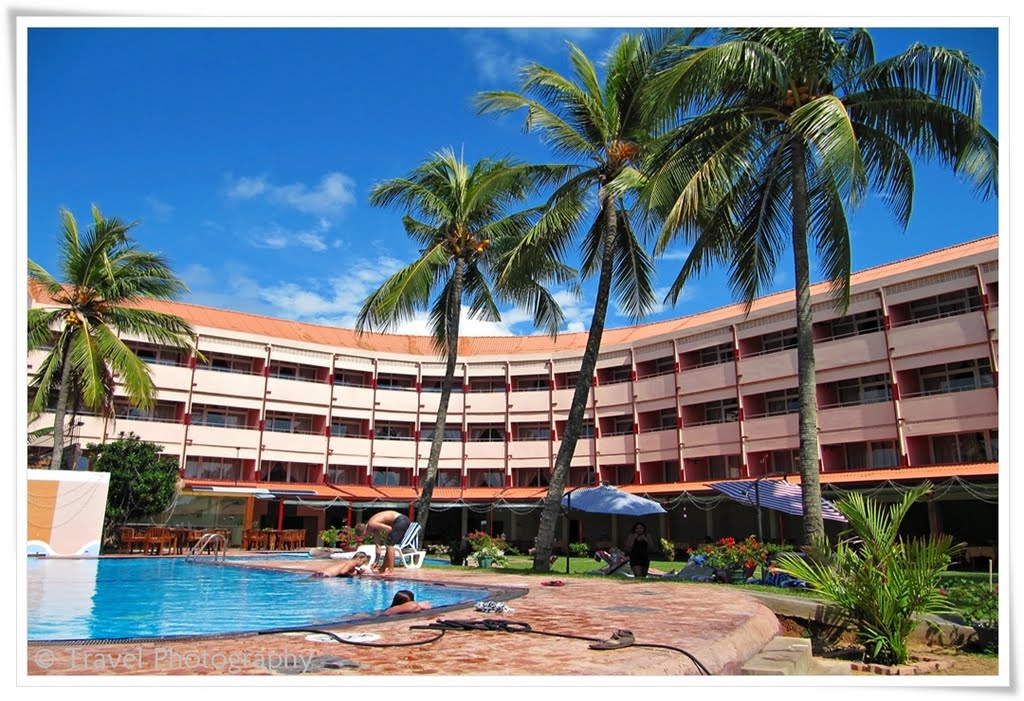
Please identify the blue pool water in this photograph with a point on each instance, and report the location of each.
(89, 599)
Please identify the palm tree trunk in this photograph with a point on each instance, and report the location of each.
(560, 474)
(57, 457)
(423, 503)
(813, 525)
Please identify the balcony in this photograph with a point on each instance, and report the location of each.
(247, 437)
(614, 394)
(349, 396)
(486, 404)
(395, 449)
(938, 334)
(430, 401)
(708, 378)
(538, 401)
(711, 439)
(232, 384)
(767, 433)
(622, 445)
(485, 454)
(171, 377)
(768, 366)
(300, 447)
(857, 423)
(655, 387)
(658, 444)
(167, 433)
(450, 451)
(852, 350)
(956, 412)
(298, 391)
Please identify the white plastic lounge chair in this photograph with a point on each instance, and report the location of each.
(408, 551)
(616, 563)
(370, 550)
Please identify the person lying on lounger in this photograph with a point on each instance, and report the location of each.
(349, 567)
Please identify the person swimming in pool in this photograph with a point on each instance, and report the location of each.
(393, 525)
(405, 602)
(349, 567)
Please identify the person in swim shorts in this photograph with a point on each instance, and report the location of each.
(393, 525)
(349, 567)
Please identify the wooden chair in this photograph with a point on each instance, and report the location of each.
(128, 538)
(157, 539)
(250, 539)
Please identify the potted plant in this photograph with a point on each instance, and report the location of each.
(329, 537)
(487, 550)
(736, 560)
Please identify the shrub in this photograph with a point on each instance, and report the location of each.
(977, 602)
(485, 545)
(579, 549)
(728, 554)
(878, 580)
(668, 549)
(329, 537)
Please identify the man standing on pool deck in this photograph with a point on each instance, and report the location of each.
(393, 525)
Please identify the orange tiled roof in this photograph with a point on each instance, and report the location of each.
(224, 320)
(309, 491)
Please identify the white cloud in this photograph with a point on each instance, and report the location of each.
(276, 237)
(675, 254)
(334, 192)
(161, 209)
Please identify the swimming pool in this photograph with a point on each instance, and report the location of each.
(127, 598)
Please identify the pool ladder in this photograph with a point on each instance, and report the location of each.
(214, 542)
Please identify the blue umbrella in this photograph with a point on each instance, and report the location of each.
(606, 499)
(773, 494)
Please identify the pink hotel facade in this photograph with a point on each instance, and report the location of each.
(300, 425)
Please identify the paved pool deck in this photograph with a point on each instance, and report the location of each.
(719, 626)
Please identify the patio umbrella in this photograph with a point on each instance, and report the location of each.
(606, 499)
(773, 494)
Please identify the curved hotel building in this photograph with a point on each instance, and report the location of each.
(295, 425)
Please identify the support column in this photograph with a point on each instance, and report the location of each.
(934, 517)
(464, 523)
(709, 523)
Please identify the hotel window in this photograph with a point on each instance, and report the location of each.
(487, 384)
(161, 411)
(654, 368)
(533, 432)
(855, 324)
(956, 377)
(785, 461)
(715, 355)
(221, 362)
(213, 468)
(567, 380)
(280, 422)
(587, 429)
(453, 435)
(494, 433)
(388, 431)
(345, 474)
(778, 341)
(619, 426)
(722, 467)
(157, 355)
(871, 454)
(615, 375)
(487, 479)
(390, 476)
(720, 412)
(449, 478)
(666, 419)
(533, 383)
(292, 371)
(351, 378)
(864, 390)
(784, 401)
(949, 304)
(433, 384)
(400, 382)
(964, 447)
(346, 428)
(220, 417)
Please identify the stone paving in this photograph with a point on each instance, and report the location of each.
(715, 624)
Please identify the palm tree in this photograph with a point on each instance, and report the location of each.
(105, 276)
(462, 218)
(786, 129)
(607, 128)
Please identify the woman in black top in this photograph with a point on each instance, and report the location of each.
(639, 547)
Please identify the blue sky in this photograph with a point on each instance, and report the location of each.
(248, 154)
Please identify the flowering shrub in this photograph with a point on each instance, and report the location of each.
(344, 537)
(728, 554)
(437, 549)
(486, 545)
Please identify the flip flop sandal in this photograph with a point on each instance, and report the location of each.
(553, 583)
(619, 639)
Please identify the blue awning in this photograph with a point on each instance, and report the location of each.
(773, 494)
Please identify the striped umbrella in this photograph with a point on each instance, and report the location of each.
(773, 494)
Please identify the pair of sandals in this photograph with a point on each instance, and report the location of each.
(620, 638)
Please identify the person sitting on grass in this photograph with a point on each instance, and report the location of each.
(405, 602)
(349, 567)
